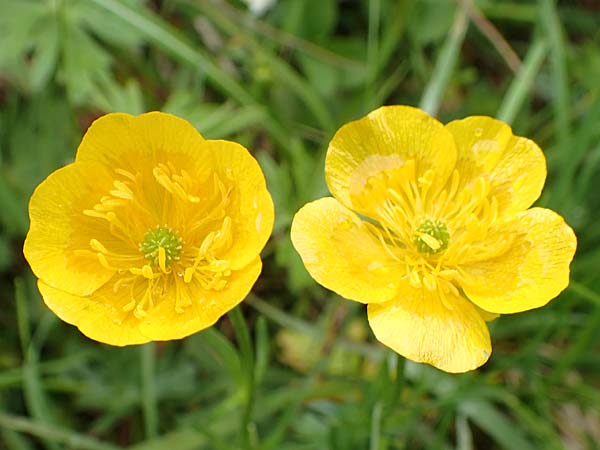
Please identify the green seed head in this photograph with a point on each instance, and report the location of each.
(161, 237)
(432, 237)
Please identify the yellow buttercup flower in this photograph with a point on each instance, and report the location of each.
(153, 233)
(430, 226)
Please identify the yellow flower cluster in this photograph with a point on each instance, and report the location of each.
(153, 233)
(429, 225)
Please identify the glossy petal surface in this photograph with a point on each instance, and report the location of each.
(422, 328)
(514, 166)
(384, 140)
(253, 206)
(55, 212)
(341, 254)
(534, 270)
(164, 322)
(97, 316)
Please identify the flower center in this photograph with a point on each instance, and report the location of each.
(432, 237)
(161, 246)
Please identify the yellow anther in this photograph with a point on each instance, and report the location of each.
(187, 275)
(207, 242)
(129, 306)
(139, 312)
(415, 279)
(430, 282)
(147, 272)
(162, 259)
(104, 261)
(448, 273)
(431, 242)
(126, 174)
(427, 178)
(220, 285)
(97, 246)
(92, 213)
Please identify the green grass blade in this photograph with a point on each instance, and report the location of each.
(444, 66)
(560, 83)
(247, 357)
(167, 38)
(148, 389)
(376, 417)
(521, 84)
(496, 424)
(57, 435)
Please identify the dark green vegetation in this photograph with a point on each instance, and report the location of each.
(296, 367)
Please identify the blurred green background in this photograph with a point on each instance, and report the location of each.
(299, 367)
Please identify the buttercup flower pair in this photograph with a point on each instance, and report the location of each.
(153, 232)
(429, 225)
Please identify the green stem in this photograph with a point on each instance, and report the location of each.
(560, 83)
(519, 88)
(54, 434)
(149, 402)
(432, 97)
(372, 50)
(247, 358)
(376, 415)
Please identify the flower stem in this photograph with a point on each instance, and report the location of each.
(444, 66)
(247, 360)
(149, 402)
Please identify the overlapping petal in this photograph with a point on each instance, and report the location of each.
(514, 166)
(121, 140)
(422, 328)
(534, 270)
(56, 216)
(164, 322)
(253, 213)
(100, 316)
(385, 140)
(341, 254)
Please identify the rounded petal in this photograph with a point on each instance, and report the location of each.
(121, 140)
(534, 269)
(164, 323)
(421, 328)
(252, 212)
(514, 166)
(57, 229)
(341, 254)
(96, 316)
(385, 140)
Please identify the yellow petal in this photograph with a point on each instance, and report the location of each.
(96, 316)
(342, 255)
(486, 315)
(421, 328)
(121, 140)
(252, 212)
(58, 227)
(386, 140)
(164, 323)
(534, 270)
(514, 166)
